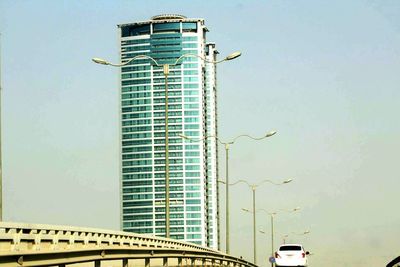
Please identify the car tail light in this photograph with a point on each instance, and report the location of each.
(303, 254)
(277, 255)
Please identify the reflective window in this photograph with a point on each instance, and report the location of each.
(189, 38)
(190, 45)
(135, 30)
(290, 248)
(189, 27)
(166, 27)
(194, 222)
(192, 174)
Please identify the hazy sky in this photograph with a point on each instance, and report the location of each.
(324, 74)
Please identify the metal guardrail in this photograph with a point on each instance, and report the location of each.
(49, 245)
(395, 262)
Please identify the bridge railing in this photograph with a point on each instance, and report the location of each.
(49, 245)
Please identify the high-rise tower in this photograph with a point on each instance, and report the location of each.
(191, 110)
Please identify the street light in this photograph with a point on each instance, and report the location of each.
(166, 73)
(105, 62)
(294, 233)
(226, 145)
(272, 214)
(253, 188)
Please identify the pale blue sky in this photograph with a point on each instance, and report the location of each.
(325, 74)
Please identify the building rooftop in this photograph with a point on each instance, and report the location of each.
(164, 18)
(168, 17)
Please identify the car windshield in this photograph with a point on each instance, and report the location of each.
(286, 248)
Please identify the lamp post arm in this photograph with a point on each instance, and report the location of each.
(202, 139)
(219, 140)
(248, 136)
(216, 137)
(254, 186)
(272, 213)
(275, 183)
(202, 58)
(242, 181)
(269, 134)
(267, 181)
(104, 62)
(267, 212)
(303, 233)
(289, 211)
(194, 55)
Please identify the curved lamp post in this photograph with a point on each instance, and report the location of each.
(294, 233)
(272, 215)
(166, 73)
(227, 144)
(253, 188)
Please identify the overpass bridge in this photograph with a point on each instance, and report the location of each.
(49, 245)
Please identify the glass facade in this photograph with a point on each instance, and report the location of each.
(191, 111)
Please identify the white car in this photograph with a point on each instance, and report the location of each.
(291, 255)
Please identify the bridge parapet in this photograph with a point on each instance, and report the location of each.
(49, 245)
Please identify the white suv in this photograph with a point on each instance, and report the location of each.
(291, 255)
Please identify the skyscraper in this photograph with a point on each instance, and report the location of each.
(191, 110)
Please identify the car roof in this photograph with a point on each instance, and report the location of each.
(290, 245)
